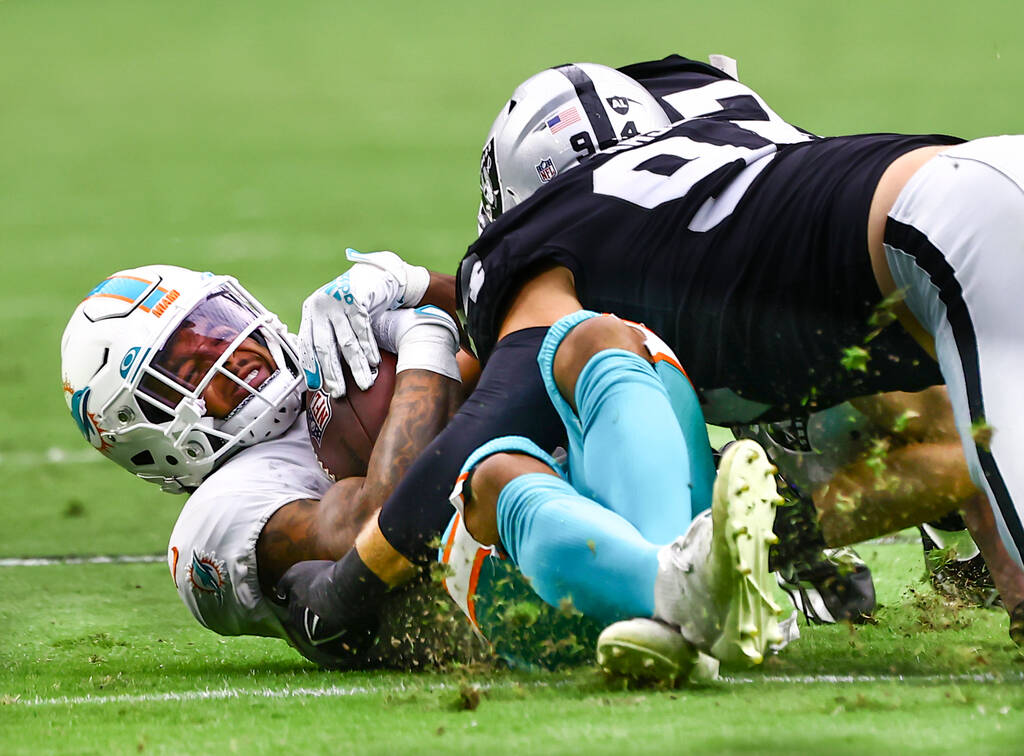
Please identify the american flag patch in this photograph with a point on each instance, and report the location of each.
(567, 117)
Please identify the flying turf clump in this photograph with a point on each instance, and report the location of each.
(982, 433)
(420, 628)
(855, 358)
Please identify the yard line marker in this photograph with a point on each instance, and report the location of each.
(72, 559)
(987, 677)
(52, 455)
(199, 695)
(219, 694)
(337, 691)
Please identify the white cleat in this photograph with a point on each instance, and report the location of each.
(742, 511)
(713, 582)
(646, 651)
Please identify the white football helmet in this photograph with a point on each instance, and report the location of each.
(554, 120)
(168, 372)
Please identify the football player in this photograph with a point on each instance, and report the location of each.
(186, 380)
(771, 261)
(685, 88)
(698, 208)
(839, 588)
(890, 461)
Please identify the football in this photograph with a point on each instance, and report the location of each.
(343, 431)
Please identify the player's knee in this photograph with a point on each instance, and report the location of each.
(587, 339)
(486, 483)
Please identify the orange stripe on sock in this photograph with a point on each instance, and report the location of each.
(474, 578)
(447, 554)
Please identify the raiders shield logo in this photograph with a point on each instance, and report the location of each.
(546, 170)
(619, 104)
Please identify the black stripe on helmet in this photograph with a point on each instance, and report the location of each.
(592, 104)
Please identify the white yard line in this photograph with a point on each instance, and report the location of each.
(334, 691)
(70, 559)
(52, 455)
(199, 695)
(987, 677)
(337, 691)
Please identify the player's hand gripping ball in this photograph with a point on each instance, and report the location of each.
(344, 430)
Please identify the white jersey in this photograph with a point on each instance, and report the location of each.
(212, 552)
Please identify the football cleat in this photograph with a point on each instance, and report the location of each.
(955, 565)
(713, 582)
(825, 585)
(836, 587)
(646, 651)
(743, 509)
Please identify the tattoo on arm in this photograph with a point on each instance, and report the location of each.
(422, 404)
(326, 529)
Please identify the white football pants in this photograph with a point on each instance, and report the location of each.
(955, 244)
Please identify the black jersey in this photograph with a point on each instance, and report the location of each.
(745, 251)
(688, 89)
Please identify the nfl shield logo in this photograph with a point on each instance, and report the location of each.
(546, 170)
(318, 414)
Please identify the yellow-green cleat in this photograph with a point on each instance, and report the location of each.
(742, 511)
(713, 582)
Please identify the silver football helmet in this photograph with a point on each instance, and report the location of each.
(554, 120)
(168, 372)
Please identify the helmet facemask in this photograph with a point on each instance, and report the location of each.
(224, 372)
(490, 188)
(219, 375)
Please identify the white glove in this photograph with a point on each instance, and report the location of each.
(424, 339)
(337, 318)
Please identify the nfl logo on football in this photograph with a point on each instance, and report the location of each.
(546, 170)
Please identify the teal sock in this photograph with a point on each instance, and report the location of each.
(635, 458)
(690, 417)
(573, 549)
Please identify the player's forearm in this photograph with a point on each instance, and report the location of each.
(309, 529)
(441, 292)
(420, 408)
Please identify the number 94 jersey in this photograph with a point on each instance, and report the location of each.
(745, 252)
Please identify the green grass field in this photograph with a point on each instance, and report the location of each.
(260, 139)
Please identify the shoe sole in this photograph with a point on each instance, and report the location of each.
(743, 510)
(622, 651)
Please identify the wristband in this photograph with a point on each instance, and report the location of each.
(430, 344)
(417, 279)
(428, 354)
